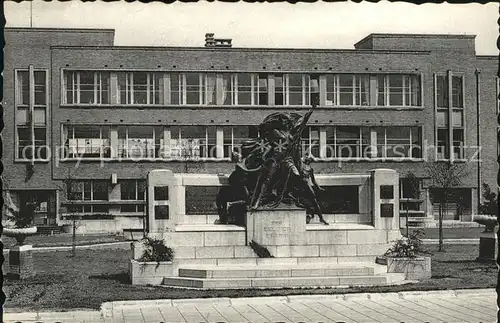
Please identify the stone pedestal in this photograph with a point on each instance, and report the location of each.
(281, 226)
(413, 268)
(21, 264)
(487, 246)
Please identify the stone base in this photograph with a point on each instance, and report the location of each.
(487, 246)
(282, 226)
(21, 264)
(149, 273)
(413, 268)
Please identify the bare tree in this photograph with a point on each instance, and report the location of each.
(444, 177)
(68, 183)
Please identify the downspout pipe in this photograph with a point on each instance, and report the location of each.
(478, 135)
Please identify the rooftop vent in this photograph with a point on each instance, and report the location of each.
(211, 41)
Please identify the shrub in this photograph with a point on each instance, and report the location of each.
(156, 251)
(489, 206)
(488, 221)
(408, 247)
(260, 250)
(22, 219)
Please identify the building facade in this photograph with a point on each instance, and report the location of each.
(100, 117)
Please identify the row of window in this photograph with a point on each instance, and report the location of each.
(158, 88)
(201, 142)
(98, 190)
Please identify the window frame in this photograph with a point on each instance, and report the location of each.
(66, 153)
(91, 203)
(98, 91)
(449, 109)
(30, 122)
(163, 147)
(130, 87)
(141, 204)
(367, 155)
(407, 83)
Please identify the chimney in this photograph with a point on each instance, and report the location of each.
(211, 41)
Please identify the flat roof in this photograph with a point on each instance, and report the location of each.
(245, 49)
(60, 30)
(396, 35)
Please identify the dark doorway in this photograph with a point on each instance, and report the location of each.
(45, 214)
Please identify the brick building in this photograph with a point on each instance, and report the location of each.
(110, 114)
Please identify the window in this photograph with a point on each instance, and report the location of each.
(456, 92)
(191, 142)
(31, 133)
(398, 90)
(139, 142)
(279, 89)
(250, 89)
(299, 91)
(132, 190)
(398, 142)
(86, 87)
(193, 88)
(441, 91)
(228, 89)
(310, 142)
(458, 144)
(348, 89)
(372, 142)
(89, 190)
(442, 144)
(87, 141)
(443, 111)
(235, 136)
(349, 142)
(140, 88)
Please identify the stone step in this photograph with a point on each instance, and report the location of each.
(277, 282)
(260, 271)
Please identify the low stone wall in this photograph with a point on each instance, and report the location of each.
(149, 273)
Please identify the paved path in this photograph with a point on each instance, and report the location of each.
(446, 306)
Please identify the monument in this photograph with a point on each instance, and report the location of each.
(270, 198)
(272, 173)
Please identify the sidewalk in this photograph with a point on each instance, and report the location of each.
(434, 306)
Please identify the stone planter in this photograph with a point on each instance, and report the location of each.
(149, 273)
(487, 247)
(19, 234)
(414, 268)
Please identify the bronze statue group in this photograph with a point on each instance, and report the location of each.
(270, 171)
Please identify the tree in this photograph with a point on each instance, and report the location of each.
(444, 177)
(70, 195)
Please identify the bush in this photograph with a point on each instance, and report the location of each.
(260, 250)
(22, 219)
(408, 247)
(489, 206)
(488, 221)
(156, 251)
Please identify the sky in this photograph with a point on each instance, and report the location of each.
(303, 25)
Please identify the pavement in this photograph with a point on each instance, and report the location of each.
(435, 306)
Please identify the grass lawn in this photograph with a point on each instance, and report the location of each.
(64, 239)
(97, 276)
(450, 233)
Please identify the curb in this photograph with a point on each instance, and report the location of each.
(108, 307)
(89, 246)
(451, 241)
